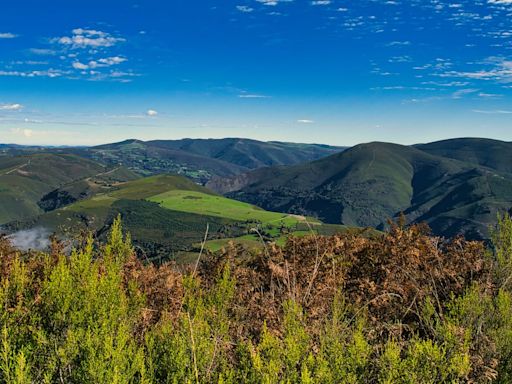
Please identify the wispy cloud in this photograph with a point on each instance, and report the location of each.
(11, 107)
(496, 69)
(252, 96)
(88, 38)
(398, 43)
(244, 8)
(463, 92)
(273, 2)
(7, 35)
(42, 51)
(99, 63)
(305, 121)
(493, 112)
(51, 73)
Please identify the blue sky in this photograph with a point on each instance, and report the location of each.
(336, 72)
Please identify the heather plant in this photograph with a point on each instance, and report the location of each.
(404, 307)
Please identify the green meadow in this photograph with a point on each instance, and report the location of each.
(218, 206)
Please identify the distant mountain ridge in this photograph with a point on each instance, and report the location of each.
(202, 159)
(197, 159)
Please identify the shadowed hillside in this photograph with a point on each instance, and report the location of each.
(370, 183)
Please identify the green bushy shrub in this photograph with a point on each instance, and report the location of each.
(100, 316)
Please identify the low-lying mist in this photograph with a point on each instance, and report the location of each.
(35, 238)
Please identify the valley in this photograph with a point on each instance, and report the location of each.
(249, 193)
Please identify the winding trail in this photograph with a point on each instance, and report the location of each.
(17, 168)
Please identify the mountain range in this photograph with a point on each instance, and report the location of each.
(198, 159)
(70, 190)
(456, 186)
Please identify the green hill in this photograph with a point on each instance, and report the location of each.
(25, 180)
(370, 183)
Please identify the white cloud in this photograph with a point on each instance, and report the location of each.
(305, 121)
(78, 65)
(112, 60)
(398, 43)
(106, 62)
(273, 2)
(321, 2)
(489, 95)
(11, 107)
(88, 38)
(83, 55)
(89, 32)
(244, 8)
(42, 51)
(52, 73)
(7, 35)
(152, 113)
(499, 69)
(252, 96)
(493, 112)
(463, 92)
(22, 132)
(32, 121)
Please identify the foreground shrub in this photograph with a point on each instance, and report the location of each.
(403, 307)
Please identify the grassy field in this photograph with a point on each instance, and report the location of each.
(218, 206)
(137, 190)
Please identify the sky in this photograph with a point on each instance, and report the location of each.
(335, 72)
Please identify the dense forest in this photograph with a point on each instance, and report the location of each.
(398, 307)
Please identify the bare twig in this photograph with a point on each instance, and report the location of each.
(202, 248)
(255, 229)
(193, 345)
(318, 262)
